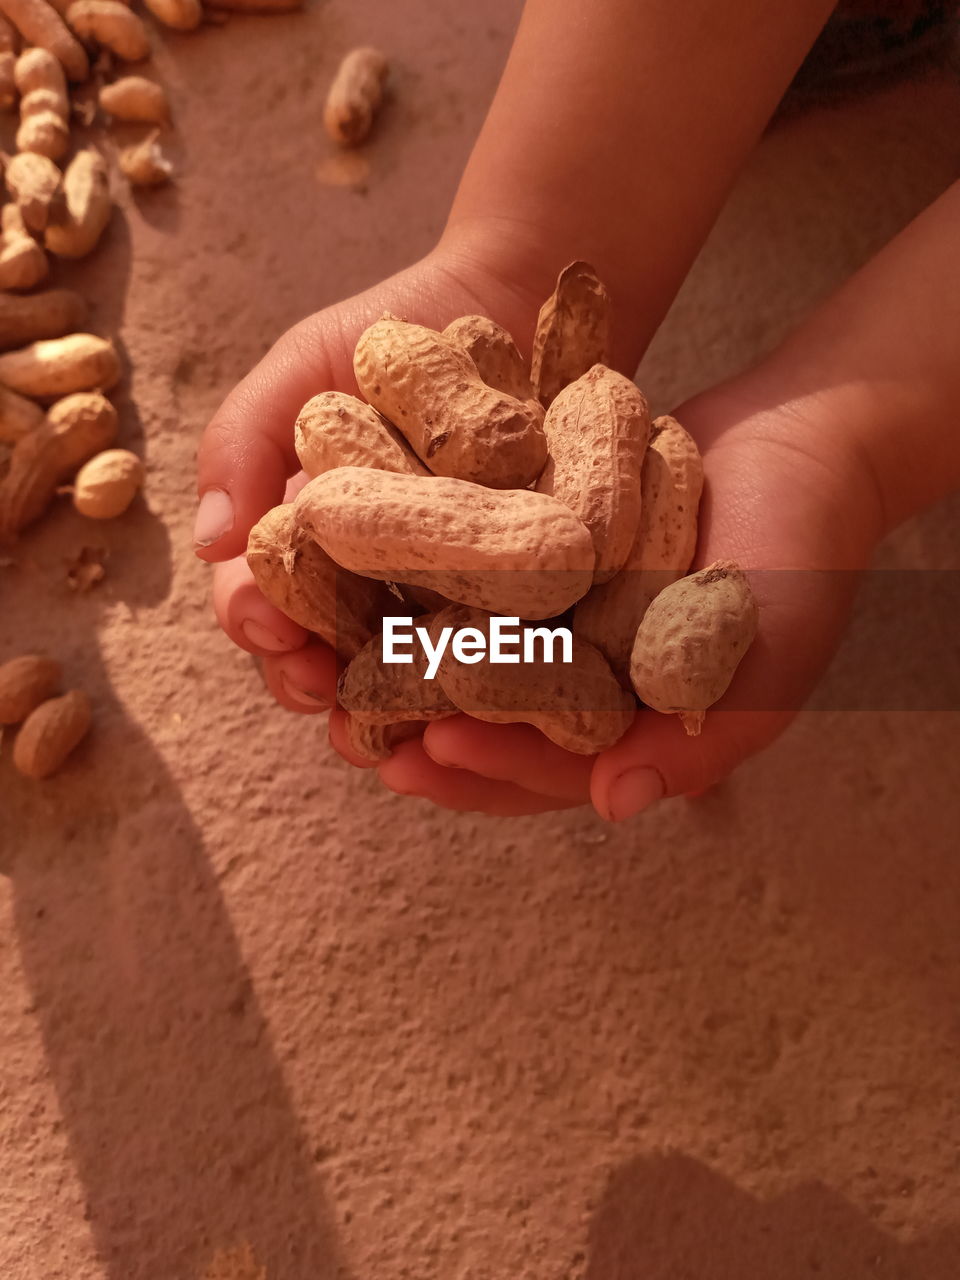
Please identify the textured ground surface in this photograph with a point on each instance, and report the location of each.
(259, 1019)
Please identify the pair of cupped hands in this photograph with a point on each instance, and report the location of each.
(783, 498)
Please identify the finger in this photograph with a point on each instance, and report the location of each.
(510, 753)
(246, 453)
(304, 681)
(411, 772)
(248, 619)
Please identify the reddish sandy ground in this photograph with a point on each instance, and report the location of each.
(260, 1019)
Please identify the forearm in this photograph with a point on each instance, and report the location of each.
(615, 134)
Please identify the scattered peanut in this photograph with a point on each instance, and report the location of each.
(74, 230)
(25, 682)
(597, 430)
(301, 580)
(512, 552)
(431, 391)
(495, 354)
(40, 24)
(111, 25)
(578, 705)
(44, 105)
(180, 15)
(670, 487)
(337, 430)
(691, 640)
(34, 184)
(136, 99)
(23, 262)
(76, 427)
(18, 416)
(39, 315)
(50, 733)
(354, 96)
(573, 331)
(145, 165)
(106, 485)
(59, 366)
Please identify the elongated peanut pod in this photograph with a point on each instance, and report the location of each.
(44, 105)
(573, 331)
(494, 352)
(40, 24)
(691, 640)
(136, 99)
(179, 15)
(23, 262)
(670, 486)
(354, 96)
(579, 704)
(75, 228)
(34, 184)
(431, 391)
(597, 430)
(375, 691)
(40, 315)
(338, 430)
(111, 25)
(50, 733)
(145, 165)
(57, 367)
(18, 416)
(511, 552)
(76, 428)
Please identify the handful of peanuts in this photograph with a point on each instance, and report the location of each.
(465, 488)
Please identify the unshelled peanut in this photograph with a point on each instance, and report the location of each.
(511, 552)
(23, 262)
(34, 184)
(75, 227)
(135, 99)
(458, 425)
(374, 743)
(50, 733)
(691, 640)
(110, 24)
(578, 705)
(40, 24)
(9, 44)
(105, 486)
(300, 579)
(179, 15)
(39, 315)
(18, 416)
(44, 105)
(495, 354)
(338, 430)
(25, 682)
(597, 430)
(76, 427)
(573, 331)
(378, 692)
(57, 367)
(354, 96)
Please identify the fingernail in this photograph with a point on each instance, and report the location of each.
(303, 697)
(261, 638)
(214, 518)
(632, 792)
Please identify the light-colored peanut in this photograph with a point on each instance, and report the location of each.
(670, 486)
(25, 682)
(573, 331)
(597, 430)
(50, 733)
(179, 15)
(57, 367)
(337, 430)
(74, 229)
(44, 105)
(135, 99)
(40, 24)
(495, 354)
(111, 25)
(39, 315)
(377, 742)
(691, 640)
(144, 164)
(302, 581)
(23, 262)
(354, 96)
(431, 391)
(34, 184)
(106, 485)
(512, 552)
(578, 705)
(18, 416)
(378, 692)
(76, 427)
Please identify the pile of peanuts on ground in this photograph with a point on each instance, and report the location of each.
(467, 486)
(57, 427)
